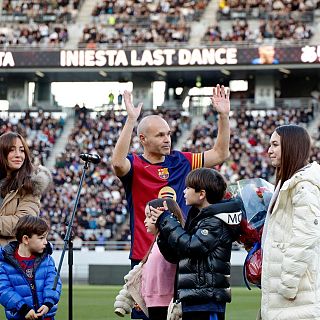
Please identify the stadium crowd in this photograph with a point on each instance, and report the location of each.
(256, 21)
(40, 129)
(260, 8)
(123, 23)
(250, 134)
(279, 29)
(137, 22)
(37, 10)
(37, 23)
(44, 34)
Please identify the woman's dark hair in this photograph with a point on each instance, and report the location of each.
(173, 207)
(209, 180)
(19, 179)
(295, 145)
(30, 225)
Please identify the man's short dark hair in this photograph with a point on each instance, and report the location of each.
(30, 225)
(209, 180)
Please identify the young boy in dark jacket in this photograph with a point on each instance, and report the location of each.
(27, 273)
(202, 248)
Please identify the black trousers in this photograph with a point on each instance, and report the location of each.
(158, 313)
(201, 315)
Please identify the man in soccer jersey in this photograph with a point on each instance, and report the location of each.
(159, 171)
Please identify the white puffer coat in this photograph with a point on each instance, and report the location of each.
(291, 254)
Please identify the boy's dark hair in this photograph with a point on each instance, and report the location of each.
(209, 180)
(30, 225)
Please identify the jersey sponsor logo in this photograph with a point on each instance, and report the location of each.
(163, 173)
(167, 192)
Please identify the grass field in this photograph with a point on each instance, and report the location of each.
(96, 303)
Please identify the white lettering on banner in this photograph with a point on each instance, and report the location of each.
(92, 58)
(169, 55)
(147, 58)
(6, 59)
(121, 59)
(81, 58)
(111, 54)
(157, 57)
(232, 56)
(134, 60)
(101, 58)
(211, 56)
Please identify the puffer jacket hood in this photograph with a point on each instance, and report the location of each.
(309, 173)
(228, 211)
(41, 179)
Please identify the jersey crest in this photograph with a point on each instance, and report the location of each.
(163, 173)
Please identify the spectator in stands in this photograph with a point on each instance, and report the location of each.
(111, 98)
(21, 184)
(291, 232)
(160, 172)
(119, 99)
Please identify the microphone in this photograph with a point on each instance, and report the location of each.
(90, 157)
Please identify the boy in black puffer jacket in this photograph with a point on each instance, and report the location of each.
(202, 249)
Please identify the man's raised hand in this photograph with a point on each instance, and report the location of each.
(133, 112)
(220, 99)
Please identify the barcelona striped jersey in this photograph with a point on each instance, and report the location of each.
(146, 181)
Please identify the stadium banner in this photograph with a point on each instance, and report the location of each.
(166, 57)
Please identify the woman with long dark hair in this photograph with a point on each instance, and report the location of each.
(291, 235)
(21, 184)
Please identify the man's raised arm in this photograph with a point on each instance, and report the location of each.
(220, 150)
(120, 162)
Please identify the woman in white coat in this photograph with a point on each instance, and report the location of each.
(291, 238)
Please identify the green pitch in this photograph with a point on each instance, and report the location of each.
(96, 303)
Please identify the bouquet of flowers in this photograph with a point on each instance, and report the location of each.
(256, 194)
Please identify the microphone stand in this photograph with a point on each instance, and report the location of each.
(69, 244)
